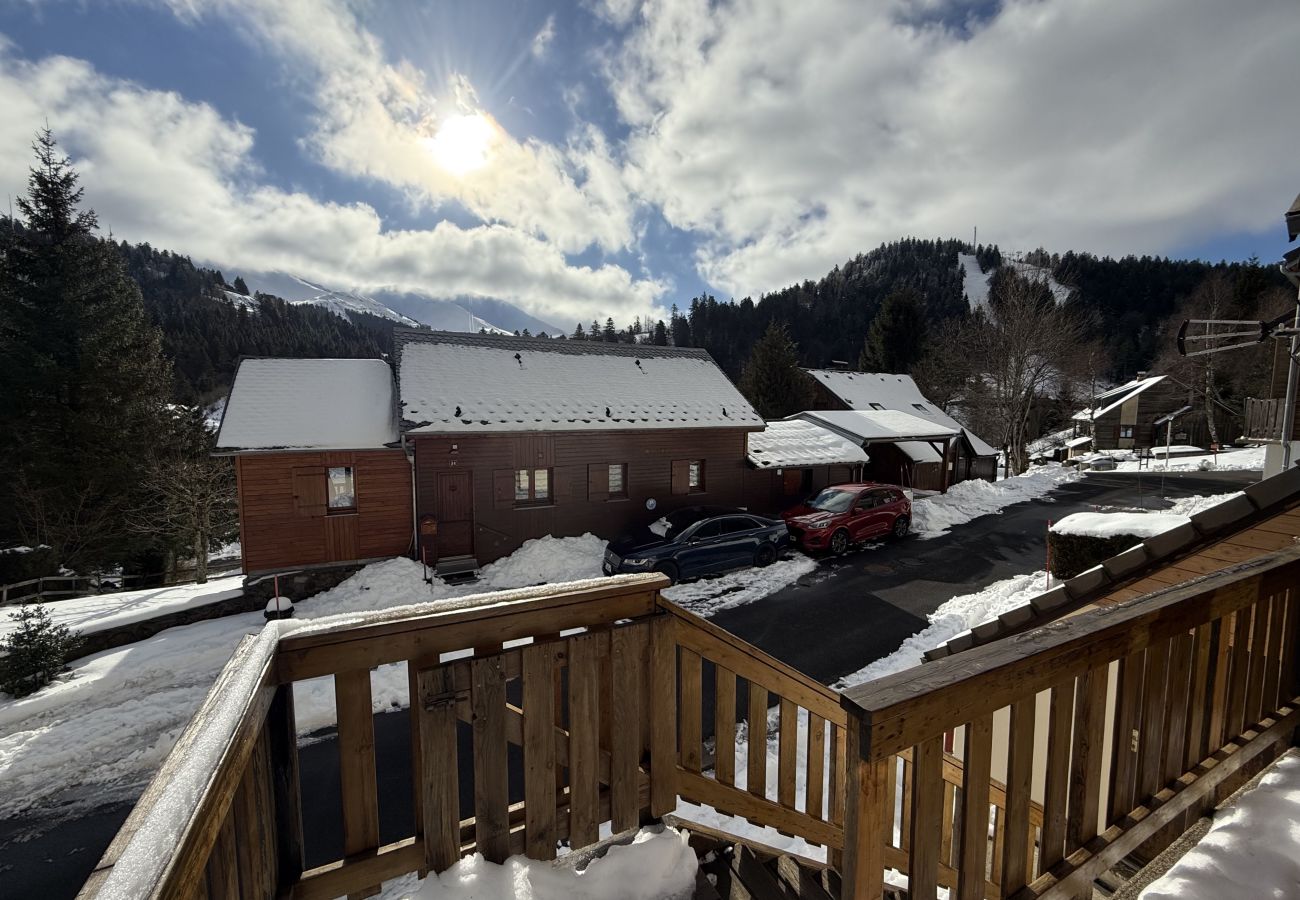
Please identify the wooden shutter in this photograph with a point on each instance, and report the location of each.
(503, 488)
(792, 481)
(309, 491)
(597, 481)
(566, 483)
(681, 476)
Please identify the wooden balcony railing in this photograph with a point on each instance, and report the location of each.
(620, 704)
(1263, 420)
(1151, 710)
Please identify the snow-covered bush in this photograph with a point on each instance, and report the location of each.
(1075, 553)
(34, 652)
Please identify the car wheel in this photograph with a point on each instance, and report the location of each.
(765, 555)
(668, 569)
(840, 542)
(901, 526)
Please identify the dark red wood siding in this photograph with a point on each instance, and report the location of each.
(282, 514)
(579, 463)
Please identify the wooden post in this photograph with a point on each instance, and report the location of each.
(286, 791)
(863, 867)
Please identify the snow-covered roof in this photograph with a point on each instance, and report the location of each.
(919, 451)
(309, 404)
(454, 382)
(795, 442)
(1078, 441)
(869, 390)
(1116, 397)
(890, 425)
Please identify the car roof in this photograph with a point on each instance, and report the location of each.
(700, 513)
(859, 486)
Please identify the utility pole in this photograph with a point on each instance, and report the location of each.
(1291, 269)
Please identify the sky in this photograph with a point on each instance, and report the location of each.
(614, 157)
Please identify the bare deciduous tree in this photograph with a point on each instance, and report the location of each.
(193, 502)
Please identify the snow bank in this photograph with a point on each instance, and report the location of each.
(737, 588)
(1106, 525)
(1250, 850)
(1190, 506)
(655, 866)
(1250, 459)
(971, 499)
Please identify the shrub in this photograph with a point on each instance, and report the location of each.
(23, 564)
(35, 652)
(1073, 553)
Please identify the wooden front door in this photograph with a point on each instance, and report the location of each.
(455, 514)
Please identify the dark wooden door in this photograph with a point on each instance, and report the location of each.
(455, 514)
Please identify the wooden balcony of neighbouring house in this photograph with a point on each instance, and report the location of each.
(1263, 420)
(1028, 767)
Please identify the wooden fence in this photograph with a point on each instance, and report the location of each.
(1263, 420)
(66, 587)
(1150, 711)
(621, 704)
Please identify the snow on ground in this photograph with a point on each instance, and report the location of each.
(1250, 849)
(87, 614)
(655, 866)
(975, 283)
(932, 516)
(1190, 506)
(1247, 459)
(1112, 524)
(98, 733)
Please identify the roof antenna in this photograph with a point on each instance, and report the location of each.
(519, 359)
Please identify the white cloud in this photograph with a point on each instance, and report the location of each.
(159, 168)
(542, 40)
(792, 136)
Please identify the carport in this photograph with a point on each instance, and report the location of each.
(906, 437)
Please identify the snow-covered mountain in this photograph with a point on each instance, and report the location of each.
(342, 302)
(977, 282)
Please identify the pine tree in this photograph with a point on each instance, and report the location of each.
(86, 383)
(240, 286)
(772, 380)
(35, 651)
(659, 337)
(610, 333)
(579, 334)
(896, 339)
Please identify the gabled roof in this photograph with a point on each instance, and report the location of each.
(795, 443)
(1116, 577)
(889, 425)
(860, 390)
(309, 404)
(1116, 397)
(450, 382)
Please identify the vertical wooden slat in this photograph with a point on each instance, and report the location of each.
(282, 745)
(1221, 666)
(539, 750)
(253, 816)
(1258, 643)
(1273, 654)
(439, 794)
(814, 786)
(1059, 722)
(927, 798)
(417, 766)
(863, 864)
(838, 781)
(1177, 698)
(1151, 741)
(222, 868)
(1086, 761)
(724, 725)
(999, 843)
(663, 735)
(787, 752)
(491, 796)
(756, 762)
(1288, 676)
(947, 825)
(891, 808)
(1240, 673)
(975, 808)
(1194, 749)
(584, 739)
(1124, 758)
(1017, 850)
(905, 835)
(356, 739)
(625, 656)
(690, 710)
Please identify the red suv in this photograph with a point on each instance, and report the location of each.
(847, 514)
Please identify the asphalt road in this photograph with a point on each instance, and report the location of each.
(845, 614)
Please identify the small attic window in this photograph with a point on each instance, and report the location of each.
(877, 406)
(920, 406)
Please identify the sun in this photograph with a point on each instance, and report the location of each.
(462, 143)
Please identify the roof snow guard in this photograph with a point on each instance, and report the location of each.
(451, 382)
(1261, 500)
(874, 390)
(795, 443)
(309, 404)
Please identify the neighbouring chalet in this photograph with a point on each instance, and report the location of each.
(1133, 416)
(792, 459)
(517, 438)
(901, 458)
(321, 476)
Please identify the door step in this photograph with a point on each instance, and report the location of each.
(457, 568)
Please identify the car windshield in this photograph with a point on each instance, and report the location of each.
(672, 525)
(832, 500)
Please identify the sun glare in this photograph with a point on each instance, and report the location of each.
(462, 143)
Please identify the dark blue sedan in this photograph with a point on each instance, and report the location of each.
(700, 541)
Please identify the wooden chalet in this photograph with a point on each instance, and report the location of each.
(903, 449)
(518, 438)
(1131, 416)
(791, 460)
(912, 463)
(322, 479)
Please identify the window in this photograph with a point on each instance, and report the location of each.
(688, 476)
(920, 406)
(736, 525)
(618, 481)
(877, 406)
(707, 530)
(1126, 431)
(340, 490)
(532, 487)
(695, 480)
